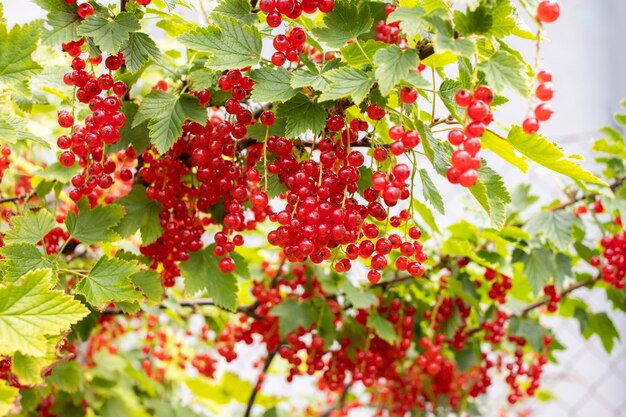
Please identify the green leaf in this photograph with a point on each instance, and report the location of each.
(305, 78)
(550, 155)
(138, 50)
(20, 258)
(94, 226)
(29, 368)
(231, 44)
(436, 152)
(357, 296)
(382, 327)
(109, 34)
(30, 311)
(365, 179)
(393, 65)
(16, 48)
(326, 324)
(8, 395)
(430, 191)
(201, 272)
(492, 195)
(556, 226)
(293, 314)
(444, 40)
(62, 19)
(302, 115)
(529, 329)
(447, 92)
(30, 228)
(410, 18)
(347, 82)
(503, 70)
(237, 9)
(67, 376)
(109, 281)
(602, 325)
(166, 113)
(354, 55)
(477, 21)
(345, 22)
(503, 19)
(504, 149)
(539, 267)
(137, 136)
(149, 282)
(203, 79)
(271, 84)
(426, 214)
(141, 214)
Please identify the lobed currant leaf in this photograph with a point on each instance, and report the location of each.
(109, 34)
(109, 281)
(30, 228)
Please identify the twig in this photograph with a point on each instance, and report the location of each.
(20, 197)
(341, 402)
(574, 200)
(259, 382)
(200, 302)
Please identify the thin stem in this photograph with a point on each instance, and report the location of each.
(259, 382)
(358, 44)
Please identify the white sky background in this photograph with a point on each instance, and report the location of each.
(586, 53)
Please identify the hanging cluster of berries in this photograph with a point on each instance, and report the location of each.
(523, 377)
(553, 298)
(544, 93)
(500, 285)
(86, 143)
(389, 32)
(277, 10)
(496, 328)
(613, 261)
(288, 46)
(4, 161)
(465, 160)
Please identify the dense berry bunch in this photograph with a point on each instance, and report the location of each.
(277, 10)
(553, 296)
(465, 160)
(613, 262)
(543, 111)
(500, 285)
(389, 32)
(288, 46)
(4, 161)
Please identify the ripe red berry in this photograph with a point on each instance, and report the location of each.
(278, 59)
(335, 123)
(545, 91)
(226, 265)
(408, 95)
(67, 159)
(268, 118)
(463, 98)
(468, 178)
(84, 10)
(530, 125)
(456, 137)
(477, 110)
(544, 76)
(548, 11)
(543, 112)
(484, 94)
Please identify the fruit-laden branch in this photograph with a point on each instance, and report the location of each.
(20, 197)
(574, 200)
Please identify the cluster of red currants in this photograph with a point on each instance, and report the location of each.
(102, 127)
(613, 260)
(388, 32)
(478, 115)
(500, 285)
(276, 10)
(4, 160)
(553, 296)
(521, 377)
(544, 92)
(288, 46)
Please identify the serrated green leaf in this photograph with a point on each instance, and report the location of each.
(426, 214)
(305, 78)
(62, 19)
(430, 191)
(382, 327)
(231, 44)
(109, 34)
(138, 50)
(345, 22)
(29, 368)
(503, 20)
(550, 155)
(16, 48)
(137, 136)
(237, 9)
(30, 311)
(8, 395)
(503, 70)
(410, 18)
(393, 65)
(354, 55)
(556, 226)
(165, 113)
(478, 21)
(444, 39)
(357, 296)
(271, 84)
(201, 272)
(141, 214)
(203, 79)
(67, 376)
(530, 330)
(602, 325)
(365, 179)
(302, 115)
(20, 258)
(30, 228)
(492, 195)
(94, 226)
(109, 281)
(436, 152)
(347, 82)
(447, 91)
(539, 267)
(504, 149)
(150, 284)
(293, 314)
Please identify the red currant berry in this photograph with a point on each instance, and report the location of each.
(548, 11)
